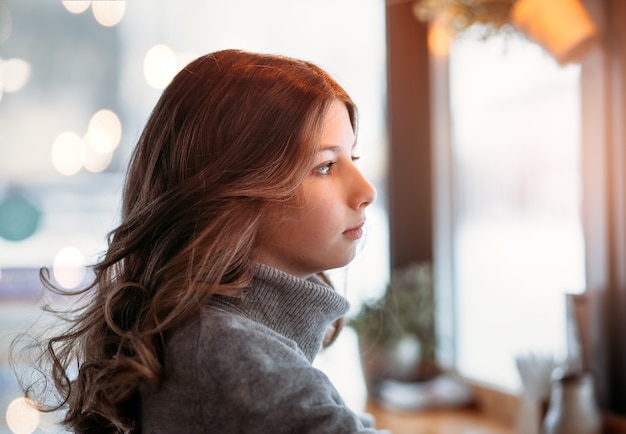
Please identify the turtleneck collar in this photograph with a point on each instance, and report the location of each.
(299, 309)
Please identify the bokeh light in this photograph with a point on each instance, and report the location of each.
(19, 217)
(76, 6)
(184, 57)
(94, 160)
(108, 13)
(6, 22)
(159, 66)
(22, 416)
(69, 267)
(14, 74)
(67, 153)
(104, 131)
(439, 39)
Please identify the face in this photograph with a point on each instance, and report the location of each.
(322, 232)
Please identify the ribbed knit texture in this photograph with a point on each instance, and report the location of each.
(244, 365)
(301, 310)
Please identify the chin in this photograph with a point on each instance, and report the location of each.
(345, 261)
(338, 261)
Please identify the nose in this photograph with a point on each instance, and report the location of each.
(364, 192)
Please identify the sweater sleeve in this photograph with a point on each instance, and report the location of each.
(255, 380)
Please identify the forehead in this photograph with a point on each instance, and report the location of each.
(337, 130)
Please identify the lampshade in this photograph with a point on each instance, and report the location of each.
(563, 27)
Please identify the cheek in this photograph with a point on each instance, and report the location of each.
(318, 202)
(322, 222)
(278, 222)
(311, 215)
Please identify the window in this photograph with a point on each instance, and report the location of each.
(517, 237)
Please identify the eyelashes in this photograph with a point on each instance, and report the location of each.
(325, 169)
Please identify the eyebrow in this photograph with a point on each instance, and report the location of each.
(335, 148)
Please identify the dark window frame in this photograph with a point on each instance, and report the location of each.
(603, 93)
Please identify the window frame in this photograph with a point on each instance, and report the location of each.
(603, 94)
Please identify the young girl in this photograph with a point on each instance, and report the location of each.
(209, 305)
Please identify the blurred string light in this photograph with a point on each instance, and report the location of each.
(76, 6)
(66, 153)
(69, 267)
(6, 23)
(14, 74)
(94, 151)
(159, 66)
(439, 39)
(95, 161)
(106, 13)
(22, 416)
(104, 131)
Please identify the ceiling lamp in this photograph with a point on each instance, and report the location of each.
(562, 27)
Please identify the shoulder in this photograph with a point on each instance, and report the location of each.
(232, 374)
(218, 344)
(216, 362)
(227, 333)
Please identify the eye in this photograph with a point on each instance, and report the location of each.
(325, 168)
(355, 158)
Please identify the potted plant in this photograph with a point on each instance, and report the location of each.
(396, 333)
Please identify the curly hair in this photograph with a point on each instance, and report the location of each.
(230, 140)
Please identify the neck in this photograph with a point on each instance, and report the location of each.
(299, 309)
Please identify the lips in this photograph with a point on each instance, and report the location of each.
(354, 233)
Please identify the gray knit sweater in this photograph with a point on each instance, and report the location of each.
(244, 365)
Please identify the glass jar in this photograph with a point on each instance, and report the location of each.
(573, 406)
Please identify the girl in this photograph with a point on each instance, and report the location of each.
(209, 305)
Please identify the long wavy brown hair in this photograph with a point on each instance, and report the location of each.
(230, 140)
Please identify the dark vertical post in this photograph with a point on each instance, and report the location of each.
(604, 201)
(410, 173)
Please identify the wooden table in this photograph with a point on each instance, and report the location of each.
(461, 421)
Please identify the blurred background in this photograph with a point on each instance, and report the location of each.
(78, 81)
